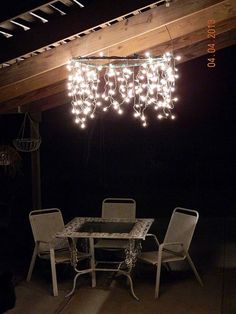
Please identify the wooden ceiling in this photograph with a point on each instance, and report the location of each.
(34, 54)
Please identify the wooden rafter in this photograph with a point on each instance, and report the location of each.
(185, 21)
(44, 35)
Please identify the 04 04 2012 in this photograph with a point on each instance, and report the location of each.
(211, 46)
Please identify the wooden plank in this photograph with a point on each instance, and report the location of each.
(46, 33)
(35, 163)
(187, 53)
(135, 36)
(194, 51)
(49, 102)
(126, 30)
(199, 49)
(189, 40)
(57, 95)
(9, 11)
(34, 96)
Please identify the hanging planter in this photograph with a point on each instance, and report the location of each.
(26, 143)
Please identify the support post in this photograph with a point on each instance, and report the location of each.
(35, 163)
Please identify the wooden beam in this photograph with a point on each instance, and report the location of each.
(35, 163)
(59, 95)
(181, 45)
(116, 34)
(9, 10)
(34, 96)
(187, 53)
(45, 34)
(199, 48)
(139, 32)
(49, 102)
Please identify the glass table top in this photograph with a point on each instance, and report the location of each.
(108, 227)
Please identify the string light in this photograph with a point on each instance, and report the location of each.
(113, 83)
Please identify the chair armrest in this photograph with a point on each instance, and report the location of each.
(154, 237)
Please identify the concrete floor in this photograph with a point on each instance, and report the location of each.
(213, 251)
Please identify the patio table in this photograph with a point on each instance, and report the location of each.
(91, 228)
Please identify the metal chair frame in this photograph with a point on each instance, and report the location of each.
(116, 208)
(45, 223)
(176, 243)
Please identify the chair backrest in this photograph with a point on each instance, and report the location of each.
(118, 208)
(44, 224)
(181, 226)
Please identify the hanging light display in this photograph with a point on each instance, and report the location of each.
(146, 83)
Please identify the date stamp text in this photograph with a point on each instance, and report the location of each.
(211, 46)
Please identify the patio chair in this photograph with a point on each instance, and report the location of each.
(176, 243)
(45, 223)
(116, 208)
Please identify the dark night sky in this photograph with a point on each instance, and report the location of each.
(188, 162)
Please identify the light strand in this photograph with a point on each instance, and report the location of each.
(103, 83)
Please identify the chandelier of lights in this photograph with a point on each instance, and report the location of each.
(102, 83)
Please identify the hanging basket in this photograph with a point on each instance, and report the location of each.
(25, 143)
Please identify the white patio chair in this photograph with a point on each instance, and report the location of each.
(45, 223)
(176, 243)
(116, 208)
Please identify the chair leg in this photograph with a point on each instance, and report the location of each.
(54, 274)
(194, 269)
(158, 274)
(158, 277)
(32, 263)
